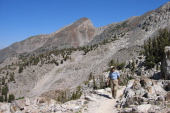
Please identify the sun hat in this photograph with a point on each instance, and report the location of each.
(112, 67)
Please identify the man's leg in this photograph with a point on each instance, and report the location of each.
(112, 87)
(115, 85)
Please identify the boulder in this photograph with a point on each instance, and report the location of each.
(158, 89)
(146, 83)
(108, 90)
(141, 108)
(165, 67)
(150, 90)
(154, 109)
(90, 98)
(20, 104)
(99, 91)
(129, 92)
(160, 98)
(168, 96)
(130, 83)
(27, 101)
(136, 84)
(140, 92)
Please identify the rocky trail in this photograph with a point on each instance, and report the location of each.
(104, 102)
(135, 96)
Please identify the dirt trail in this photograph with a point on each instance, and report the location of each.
(104, 104)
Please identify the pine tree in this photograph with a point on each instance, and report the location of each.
(154, 48)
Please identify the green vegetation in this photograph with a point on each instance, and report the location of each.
(102, 82)
(131, 66)
(20, 69)
(3, 80)
(62, 98)
(94, 83)
(11, 98)
(1, 99)
(154, 48)
(11, 78)
(119, 66)
(5, 90)
(19, 98)
(89, 78)
(75, 95)
(122, 25)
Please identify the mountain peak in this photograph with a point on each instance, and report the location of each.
(84, 18)
(81, 21)
(165, 7)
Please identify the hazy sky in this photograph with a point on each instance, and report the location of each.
(20, 19)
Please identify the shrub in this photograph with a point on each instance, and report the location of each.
(11, 98)
(1, 99)
(4, 90)
(120, 66)
(76, 94)
(11, 77)
(20, 69)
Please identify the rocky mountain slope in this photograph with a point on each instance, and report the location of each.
(50, 73)
(82, 32)
(139, 95)
(76, 34)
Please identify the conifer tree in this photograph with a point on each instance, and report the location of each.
(154, 48)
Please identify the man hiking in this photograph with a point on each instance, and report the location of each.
(114, 79)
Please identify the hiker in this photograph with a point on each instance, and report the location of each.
(114, 79)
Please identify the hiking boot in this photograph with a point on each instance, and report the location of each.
(113, 97)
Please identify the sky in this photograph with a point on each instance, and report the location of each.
(20, 19)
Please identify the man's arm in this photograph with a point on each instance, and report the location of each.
(108, 80)
(118, 80)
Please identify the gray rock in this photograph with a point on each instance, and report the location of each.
(160, 98)
(89, 98)
(129, 92)
(20, 104)
(130, 83)
(142, 99)
(146, 83)
(142, 108)
(136, 84)
(27, 101)
(140, 92)
(152, 102)
(168, 96)
(4, 108)
(154, 109)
